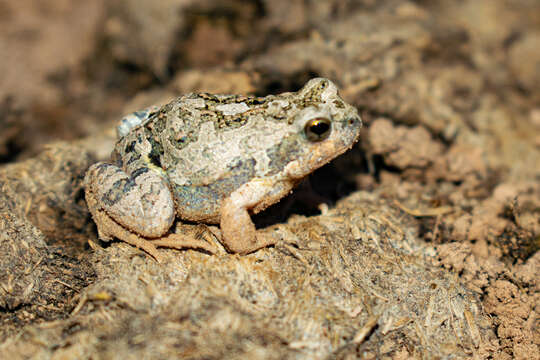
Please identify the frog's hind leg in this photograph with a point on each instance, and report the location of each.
(137, 208)
(181, 241)
(109, 229)
(140, 201)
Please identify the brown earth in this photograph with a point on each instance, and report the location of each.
(428, 247)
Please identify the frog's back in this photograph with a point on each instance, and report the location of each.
(211, 145)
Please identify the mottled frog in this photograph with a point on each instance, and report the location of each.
(215, 159)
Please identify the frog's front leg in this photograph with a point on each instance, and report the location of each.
(137, 208)
(237, 229)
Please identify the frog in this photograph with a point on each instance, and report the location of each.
(215, 159)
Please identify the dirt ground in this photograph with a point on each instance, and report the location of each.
(427, 247)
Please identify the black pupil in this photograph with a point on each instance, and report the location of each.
(319, 127)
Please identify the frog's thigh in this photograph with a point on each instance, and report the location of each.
(238, 231)
(140, 202)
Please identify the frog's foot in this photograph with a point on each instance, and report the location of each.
(180, 241)
(109, 229)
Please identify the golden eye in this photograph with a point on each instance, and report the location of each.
(318, 129)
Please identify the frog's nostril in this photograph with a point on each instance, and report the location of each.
(352, 121)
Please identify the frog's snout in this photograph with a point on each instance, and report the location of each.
(354, 122)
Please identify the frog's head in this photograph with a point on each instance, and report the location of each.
(326, 126)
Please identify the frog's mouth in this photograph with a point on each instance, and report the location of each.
(320, 154)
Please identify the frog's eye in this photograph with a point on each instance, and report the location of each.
(317, 129)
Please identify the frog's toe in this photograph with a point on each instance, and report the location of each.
(180, 241)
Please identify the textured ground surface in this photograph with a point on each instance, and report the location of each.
(429, 248)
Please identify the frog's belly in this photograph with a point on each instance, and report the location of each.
(199, 203)
(204, 203)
